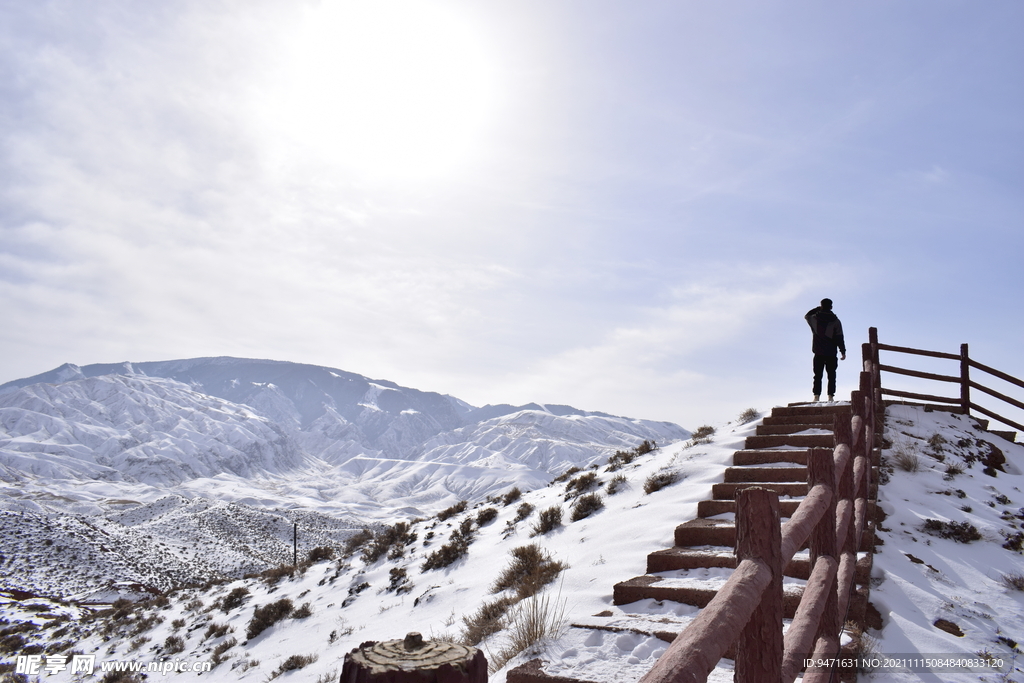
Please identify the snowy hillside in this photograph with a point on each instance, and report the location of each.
(112, 475)
(382, 590)
(448, 576)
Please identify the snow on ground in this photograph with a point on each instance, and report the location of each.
(918, 578)
(352, 602)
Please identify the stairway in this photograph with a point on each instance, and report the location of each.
(775, 458)
(703, 557)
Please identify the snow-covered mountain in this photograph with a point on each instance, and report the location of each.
(158, 474)
(273, 427)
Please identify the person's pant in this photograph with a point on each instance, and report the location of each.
(823, 362)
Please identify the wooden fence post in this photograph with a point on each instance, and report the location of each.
(759, 537)
(876, 378)
(965, 380)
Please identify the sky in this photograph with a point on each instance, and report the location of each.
(625, 207)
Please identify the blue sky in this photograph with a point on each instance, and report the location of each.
(622, 206)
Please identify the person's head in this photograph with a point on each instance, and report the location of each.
(826, 304)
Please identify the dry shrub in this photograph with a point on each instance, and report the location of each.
(215, 631)
(356, 541)
(961, 532)
(320, 554)
(564, 476)
(616, 484)
(397, 536)
(511, 496)
(265, 616)
(274, 575)
(456, 509)
(1014, 581)
(487, 620)
(625, 457)
(523, 511)
(530, 570)
(486, 516)
(703, 435)
(660, 480)
(456, 547)
(294, 662)
(586, 506)
(581, 484)
(748, 415)
(173, 645)
(548, 520)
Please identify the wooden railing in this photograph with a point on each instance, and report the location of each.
(963, 379)
(748, 609)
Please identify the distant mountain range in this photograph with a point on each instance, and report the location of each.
(279, 433)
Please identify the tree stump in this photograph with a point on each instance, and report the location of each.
(414, 660)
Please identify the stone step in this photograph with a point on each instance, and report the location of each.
(698, 558)
(811, 409)
(710, 508)
(771, 430)
(662, 626)
(769, 455)
(765, 474)
(1010, 436)
(703, 532)
(533, 672)
(696, 592)
(824, 420)
(792, 440)
(727, 491)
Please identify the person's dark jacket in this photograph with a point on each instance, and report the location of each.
(828, 332)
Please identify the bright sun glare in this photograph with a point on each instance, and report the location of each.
(385, 88)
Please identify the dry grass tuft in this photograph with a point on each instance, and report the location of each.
(749, 415)
(1014, 581)
(531, 621)
(905, 458)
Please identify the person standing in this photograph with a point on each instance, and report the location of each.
(828, 340)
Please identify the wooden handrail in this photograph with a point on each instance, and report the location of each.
(800, 636)
(1002, 419)
(807, 515)
(918, 352)
(1002, 397)
(992, 371)
(871, 364)
(696, 651)
(920, 397)
(918, 373)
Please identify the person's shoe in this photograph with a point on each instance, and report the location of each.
(817, 398)
(831, 398)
